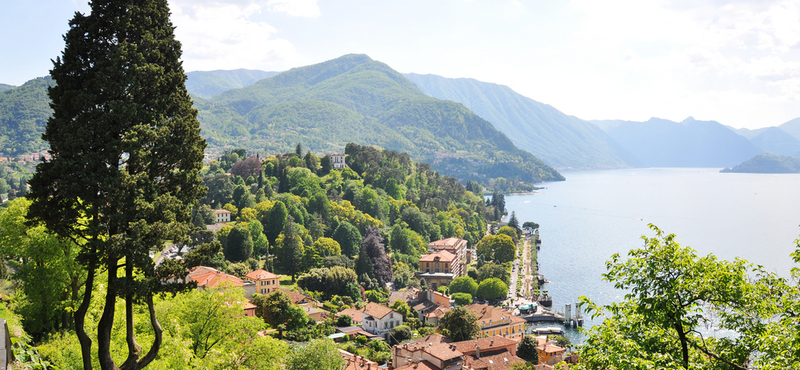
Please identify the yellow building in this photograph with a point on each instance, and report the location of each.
(496, 321)
(438, 269)
(266, 282)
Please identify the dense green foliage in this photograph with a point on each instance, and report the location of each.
(492, 288)
(459, 324)
(126, 153)
(673, 294)
(464, 284)
(24, 111)
(526, 349)
(767, 163)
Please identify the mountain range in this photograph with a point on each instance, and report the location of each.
(356, 99)
(560, 140)
(464, 127)
(690, 143)
(208, 84)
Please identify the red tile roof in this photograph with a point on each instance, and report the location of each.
(213, 279)
(354, 314)
(500, 361)
(424, 365)
(443, 351)
(377, 311)
(448, 243)
(295, 297)
(444, 256)
(262, 275)
(356, 362)
(485, 344)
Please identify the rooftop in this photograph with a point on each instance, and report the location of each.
(500, 361)
(484, 344)
(442, 256)
(262, 275)
(356, 362)
(448, 243)
(376, 310)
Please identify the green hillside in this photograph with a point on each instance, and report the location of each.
(560, 140)
(768, 163)
(357, 99)
(207, 84)
(23, 114)
(4, 87)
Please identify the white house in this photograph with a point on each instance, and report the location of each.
(380, 320)
(222, 215)
(337, 161)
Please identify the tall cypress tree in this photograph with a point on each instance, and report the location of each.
(126, 151)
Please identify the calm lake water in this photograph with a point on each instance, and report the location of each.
(594, 214)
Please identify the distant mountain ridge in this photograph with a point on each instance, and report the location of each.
(206, 84)
(776, 141)
(690, 143)
(560, 140)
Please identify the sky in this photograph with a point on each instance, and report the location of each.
(735, 62)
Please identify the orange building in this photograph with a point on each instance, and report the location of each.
(438, 269)
(266, 282)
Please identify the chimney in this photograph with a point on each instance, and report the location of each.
(477, 350)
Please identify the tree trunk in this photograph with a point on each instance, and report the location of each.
(134, 349)
(684, 344)
(107, 319)
(80, 315)
(158, 336)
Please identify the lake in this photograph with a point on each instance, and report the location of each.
(594, 214)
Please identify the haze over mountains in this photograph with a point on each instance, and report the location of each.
(464, 127)
(560, 140)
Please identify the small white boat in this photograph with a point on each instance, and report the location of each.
(547, 330)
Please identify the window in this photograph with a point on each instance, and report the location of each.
(263, 291)
(263, 282)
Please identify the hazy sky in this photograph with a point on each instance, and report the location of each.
(736, 62)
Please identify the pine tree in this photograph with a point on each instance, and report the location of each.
(126, 151)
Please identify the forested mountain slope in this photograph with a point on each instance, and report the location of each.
(356, 99)
(768, 163)
(558, 139)
(23, 114)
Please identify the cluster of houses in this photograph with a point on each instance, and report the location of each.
(500, 330)
(26, 158)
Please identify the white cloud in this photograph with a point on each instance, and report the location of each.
(228, 34)
(296, 8)
(698, 54)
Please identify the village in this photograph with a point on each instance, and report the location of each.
(502, 323)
